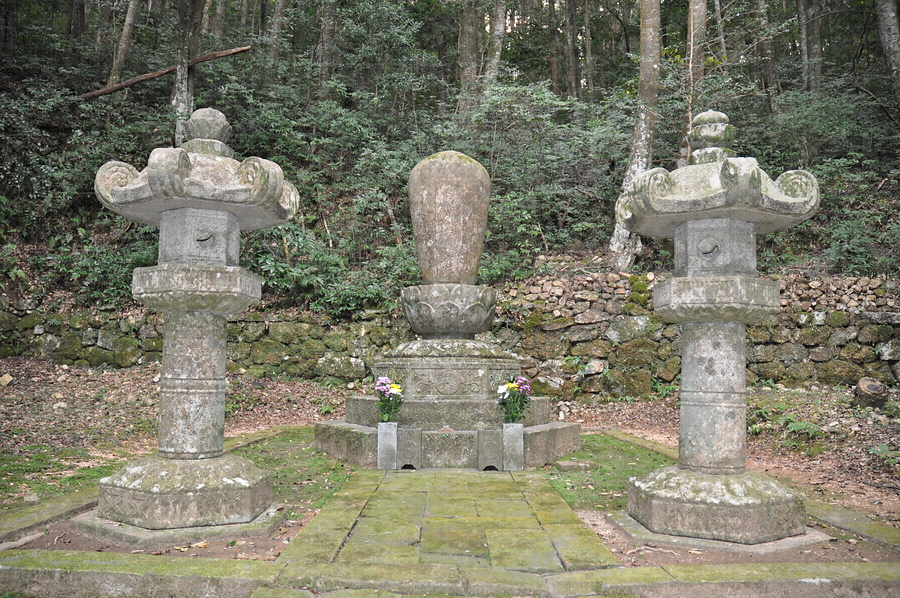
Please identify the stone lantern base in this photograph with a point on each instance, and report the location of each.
(747, 508)
(158, 493)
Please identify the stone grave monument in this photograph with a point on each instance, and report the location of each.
(449, 416)
(201, 199)
(714, 208)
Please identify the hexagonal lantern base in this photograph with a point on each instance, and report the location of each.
(747, 508)
(159, 493)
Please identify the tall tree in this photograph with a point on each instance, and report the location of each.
(573, 75)
(588, 52)
(325, 44)
(277, 26)
(497, 20)
(889, 32)
(624, 245)
(809, 15)
(771, 83)
(218, 27)
(190, 21)
(115, 73)
(9, 29)
(468, 49)
(696, 42)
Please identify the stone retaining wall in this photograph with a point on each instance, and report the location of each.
(584, 331)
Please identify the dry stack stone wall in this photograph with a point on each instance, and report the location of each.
(579, 332)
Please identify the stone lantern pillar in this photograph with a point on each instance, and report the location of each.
(714, 208)
(201, 199)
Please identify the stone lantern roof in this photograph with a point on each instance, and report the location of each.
(202, 175)
(716, 185)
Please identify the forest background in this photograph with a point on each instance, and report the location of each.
(348, 95)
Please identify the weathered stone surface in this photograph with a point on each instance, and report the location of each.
(337, 366)
(640, 352)
(716, 185)
(356, 444)
(449, 194)
(623, 329)
(201, 198)
(749, 508)
(158, 493)
(219, 289)
(857, 353)
(254, 190)
(713, 208)
(513, 447)
(889, 351)
(875, 333)
(716, 299)
(449, 310)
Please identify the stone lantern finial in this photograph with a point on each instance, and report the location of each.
(710, 137)
(208, 132)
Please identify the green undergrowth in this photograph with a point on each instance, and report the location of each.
(604, 486)
(301, 476)
(39, 472)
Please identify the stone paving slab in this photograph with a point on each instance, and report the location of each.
(373, 539)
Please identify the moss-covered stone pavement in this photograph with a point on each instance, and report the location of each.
(441, 533)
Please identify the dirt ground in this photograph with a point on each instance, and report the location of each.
(110, 414)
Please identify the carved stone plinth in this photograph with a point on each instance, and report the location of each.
(161, 493)
(749, 508)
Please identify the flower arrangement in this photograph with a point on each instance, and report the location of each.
(390, 397)
(515, 396)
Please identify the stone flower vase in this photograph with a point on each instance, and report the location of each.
(449, 194)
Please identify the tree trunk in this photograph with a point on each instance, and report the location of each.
(556, 50)
(802, 20)
(9, 34)
(588, 52)
(767, 50)
(696, 40)
(889, 32)
(720, 28)
(218, 29)
(277, 26)
(190, 20)
(325, 45)
(623, 245)
(134, 7)
(263, 4)
(573, 76)
(468, 51)
(814, 50)
(495, 43)
(245, 6)
(207, 16)
(77, 21)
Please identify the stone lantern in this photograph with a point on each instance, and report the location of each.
(714, 208)
(201, 199)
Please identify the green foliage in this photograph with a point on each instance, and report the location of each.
(96, 270)
(603, 486)
(886, 454)
(662, 389)
(237, 402)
